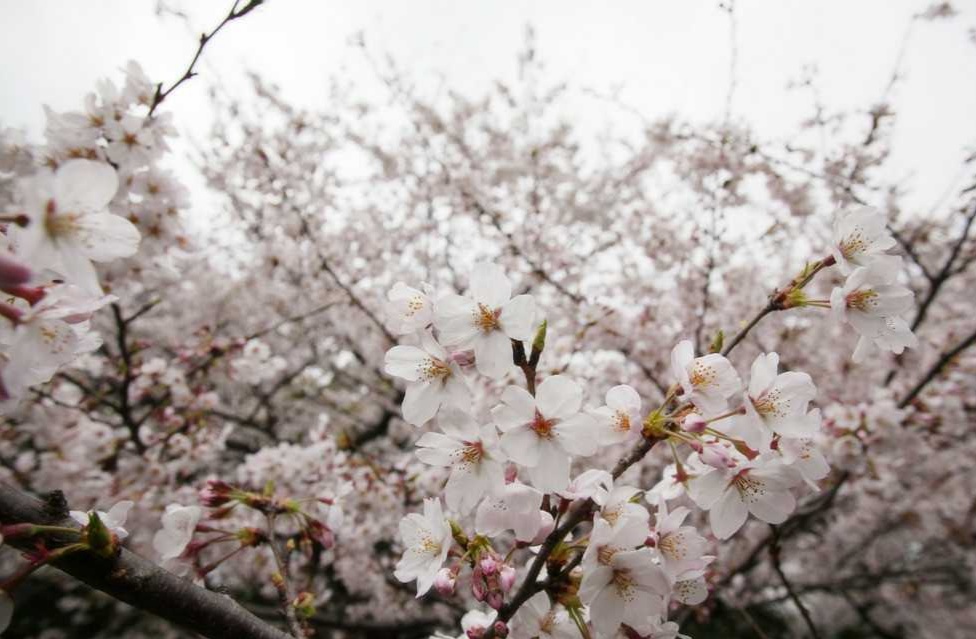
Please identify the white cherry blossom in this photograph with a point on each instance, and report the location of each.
(708, 381)
(871, 303)
(538, 618)
(623, 586)
(114, 519)
(515, 508)
(427, 539)
(409, 310)
(472, 455)
(860, 238)
(777, 403)
(542, 432)
(434, 379)
(487, 320)
(619, 419)
(761, 487)
(69, 226)
(179, 523)
(680, 548)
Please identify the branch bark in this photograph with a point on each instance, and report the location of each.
(139, 582)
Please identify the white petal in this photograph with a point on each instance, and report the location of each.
(558, 397)
(493, 354)
(420, 402)
(728, 514)
(489, 285)
(517, 318)
(85, 186)
(104, 237)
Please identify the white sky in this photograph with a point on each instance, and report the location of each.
(668, 57)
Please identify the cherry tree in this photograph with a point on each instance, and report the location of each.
(445, 367)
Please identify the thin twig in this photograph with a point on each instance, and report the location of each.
(774, 557)
(234, 14)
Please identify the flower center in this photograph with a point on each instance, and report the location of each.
(605, 554)
(750, 489)
(621, 422)
(853, 244)
(624, 583)
(702, 375)
(542, 426)
(472, 453)
(487, 319)
(673, 546)
(862, 300)
(415, 305)
(433, 368)
(771, 404)
(428, 545)
(58, 225)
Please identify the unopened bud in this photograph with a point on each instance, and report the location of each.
(488, 565)
(501, 630)
(694, 423)
(12, 271)
(506, 577)
(445, 581)
(99, 538)
(495, 599)
(304, 604)
(717, 456)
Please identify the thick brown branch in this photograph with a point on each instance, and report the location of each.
(141, 583)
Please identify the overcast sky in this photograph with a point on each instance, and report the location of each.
(667, 56)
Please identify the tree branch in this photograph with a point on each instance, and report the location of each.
(139, 582)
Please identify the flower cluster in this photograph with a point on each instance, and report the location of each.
(753, 446)
(96, 192)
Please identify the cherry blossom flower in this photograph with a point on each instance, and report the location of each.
(427, 539)
(487, 320)
(179, 524)
(872, 304)
(708, 381)
(804, 456)
(114, 519)
(474, 623)
(619, 419)
(515, 508)
(539, 618)
(760, 487)
(777, 403)
(593, 484)
(472, 455)
(542, 432)
(680, 548)
(434, 379)
(861, 238)
(410, 310)
(619, 506)
(69, 226)
(623, 586)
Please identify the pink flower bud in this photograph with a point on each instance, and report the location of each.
(501, 630)
(216, 493)
(717, 456)
(321, 534)
(506, 577)
(495, 599)
(12, 271)
(694, 423)
(478, 586)
(444, 582)
(488, 565)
